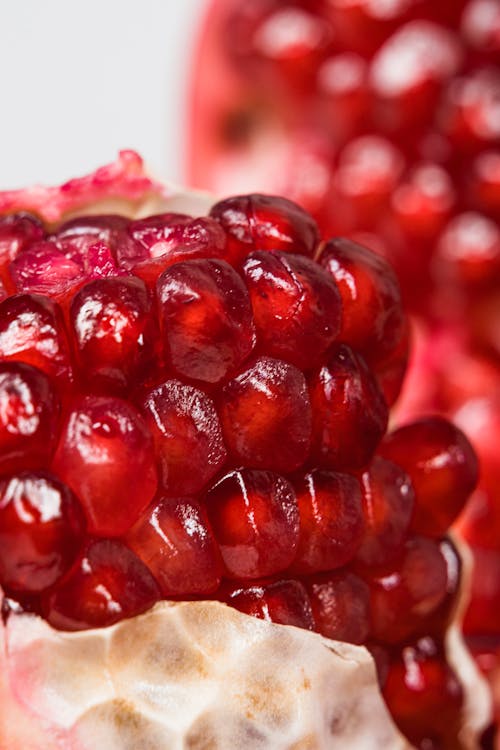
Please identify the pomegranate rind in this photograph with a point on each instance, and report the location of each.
(249, 683)
(186, 672)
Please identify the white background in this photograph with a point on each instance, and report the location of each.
(79, 81)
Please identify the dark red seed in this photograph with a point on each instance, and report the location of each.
(76, 237)
(108, 584)
(406, 594)
(17, 231)
(105, 454)
(424, 696)
(266, 416)
(175, 541)
(296, 306)
(331, 520)
(388, 502)
(372, 313)
(206, 319)
(340, 603)
(32, 331)
(442, 466)
(41, 531)
(265, 222)
(349, 414)
(187, 436)
(285, 602)
(113, 331)
(255, 520)
(29, 410)
(44, 269)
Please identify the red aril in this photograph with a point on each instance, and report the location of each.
(29, 411)
(42, 527)
(341, 606)
(281, 601)
(175, 541)
(107, 584)
(105, 454)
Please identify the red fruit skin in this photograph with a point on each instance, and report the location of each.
(349, 414)
(263, 222)
(407, 593)
(187, 435)
(255, 520)
(206, 319)
(425, 696)
(175, 541)
(388, 501)
(340, 603)
(113, 332)
(265, 414)
(41, 531)
(29, 411)
(105, 454)
(372, 313)
(285, 602)
(331, 520)
(442, 466)
(32, 331)
(296, 306)
(107, 584)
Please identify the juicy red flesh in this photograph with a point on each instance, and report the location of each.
(331, 520)
(105, 454)
(204, 401)
(28, 417)
(255, 519)
(349, 413)
(443, 469)
(424, 695)
(175, 541)
(206, 319)
(283, 601)
(42, 527)
(266, 416)
(107, 584)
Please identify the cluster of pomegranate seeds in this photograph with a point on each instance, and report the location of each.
(383, 120)
(215, 428)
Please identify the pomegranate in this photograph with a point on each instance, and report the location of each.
(216, 433)
(383, 120)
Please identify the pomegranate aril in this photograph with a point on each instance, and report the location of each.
(206, 319)
(41, 531)
(255, 520)
(349, 414)
(372, 313)
(105, 454)
(406, 594)
(285, 602)
(32, 331)
(331, 520)
(175, 541)
(187, 436)
(265, 414)
(340, 603)
(296, 306)
(17, 231)
(29, 410)
(425, 696)
(264, 222)
(442, 466)
(44, 269)
(482, 618)
(107, 584)
(468, 252)
(76, 237)
(113, 331)
(388, 501)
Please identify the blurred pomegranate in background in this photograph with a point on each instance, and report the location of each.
(382, 118)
